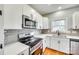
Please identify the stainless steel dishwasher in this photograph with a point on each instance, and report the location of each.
(74, 46)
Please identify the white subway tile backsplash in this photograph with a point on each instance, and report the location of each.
(11, 35)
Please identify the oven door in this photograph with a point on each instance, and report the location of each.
(37, 49)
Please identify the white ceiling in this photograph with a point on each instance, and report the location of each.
(48, 8)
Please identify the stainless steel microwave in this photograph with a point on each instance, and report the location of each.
(27, 22)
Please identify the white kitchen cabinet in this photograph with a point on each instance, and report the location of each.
(75, 20)
(64, 45)
(61, 44)
(45, 23)
(39, 21)
(13, 16)
(1, 31)
(33, 15)
(55, 43)
(48, 42)
(29, 11)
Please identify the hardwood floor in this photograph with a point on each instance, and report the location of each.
(49, 51)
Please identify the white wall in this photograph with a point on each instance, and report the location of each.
(62, 14)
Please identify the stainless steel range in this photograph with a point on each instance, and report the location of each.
(35, 44)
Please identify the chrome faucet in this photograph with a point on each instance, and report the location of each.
(58, 33)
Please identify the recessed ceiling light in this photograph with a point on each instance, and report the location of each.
(32, 10)
(59, 7)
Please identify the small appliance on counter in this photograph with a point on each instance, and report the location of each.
(35, 44)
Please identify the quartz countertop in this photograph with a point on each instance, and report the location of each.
(14, 48)
(55, 36)
(42, 35)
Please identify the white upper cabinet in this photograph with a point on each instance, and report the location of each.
(39, 21)
(33, 15)
(13, 16)
(45, 23)
(75, 20)
(29, 11)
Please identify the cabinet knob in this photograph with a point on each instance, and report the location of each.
(76, 27)
(58, 42)
(0, 12)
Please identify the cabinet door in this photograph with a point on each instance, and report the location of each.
(76, 20)
(27, 10)
(45, 23)
(39, 21)
(64, 45)
(48, 42)
(13, 16)
(55, 43)
(1, 31)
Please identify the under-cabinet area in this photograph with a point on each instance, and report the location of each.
(39, 29)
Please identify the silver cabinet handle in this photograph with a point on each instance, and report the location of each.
(76, 27)
(1, 46)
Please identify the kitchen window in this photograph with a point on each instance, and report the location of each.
(58, 25)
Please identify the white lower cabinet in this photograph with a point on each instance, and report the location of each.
(48, 42)
(59, 44)
(54, 43)
(64, 45)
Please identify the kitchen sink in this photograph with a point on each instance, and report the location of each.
(59, 36)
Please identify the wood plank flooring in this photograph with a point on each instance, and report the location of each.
(49, 51)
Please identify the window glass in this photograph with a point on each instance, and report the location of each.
(58, 25)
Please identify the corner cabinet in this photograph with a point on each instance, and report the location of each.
(13, 16)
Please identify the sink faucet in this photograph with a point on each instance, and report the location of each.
(58, 33)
